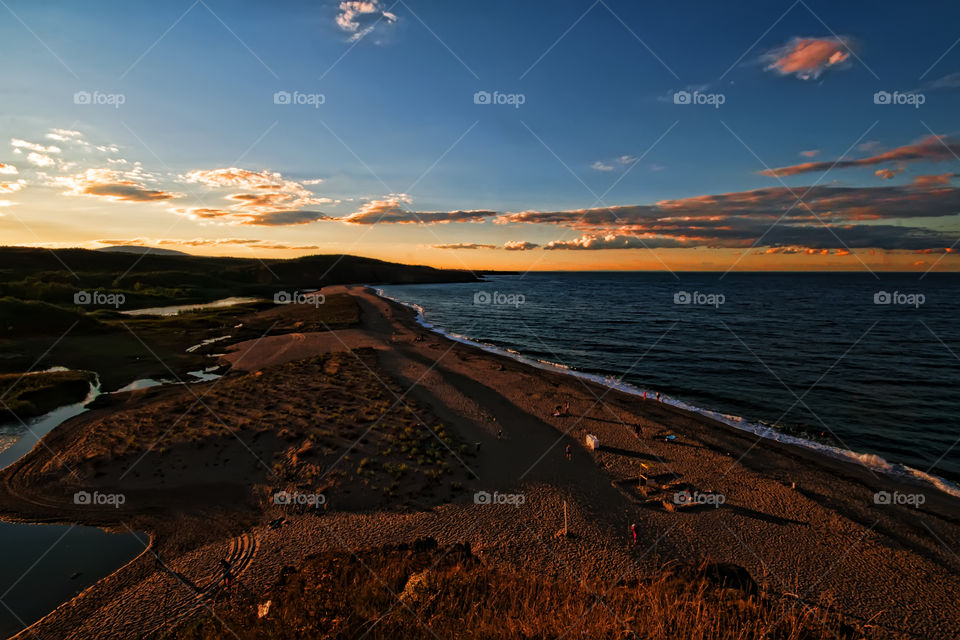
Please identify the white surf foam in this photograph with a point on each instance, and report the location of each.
(868, 460)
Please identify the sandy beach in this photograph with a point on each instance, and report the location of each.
(806, 526)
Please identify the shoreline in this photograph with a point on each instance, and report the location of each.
(798, 530)
(869, 461)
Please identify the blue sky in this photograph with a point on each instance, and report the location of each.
(399, 125)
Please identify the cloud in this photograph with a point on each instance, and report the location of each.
(262, 198)
(519, 245)
(464, 245)
(612, 241)
(210, 242)
(8, 169)
(949, 81)
(117, 186)
(811, 153)
(599, 165)
(808, 58)
(938, 180)
(887, 174)
(266, 218)
(10, 187)
(64, 135)
(392, 211)
(360, 17)
(40, 159)
(738, 219)
(935, 148)
(17, 143)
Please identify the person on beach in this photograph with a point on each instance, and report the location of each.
(566, 408)
(569, 452)
(499, 434)
(227, 574)
(635, 533)
(644, 395)
(658, 397)
(637, 430)
(557, 411)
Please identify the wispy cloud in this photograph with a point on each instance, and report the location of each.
(936, 148)
(117, 186)
(463, 245)
(268, 245)
(393, 211)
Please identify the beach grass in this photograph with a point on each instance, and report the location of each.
(412, 593)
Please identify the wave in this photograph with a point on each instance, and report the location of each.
(869, 461)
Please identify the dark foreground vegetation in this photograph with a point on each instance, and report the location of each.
(420, 591)
(54, 276)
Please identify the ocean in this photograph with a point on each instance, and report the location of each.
(858, 366)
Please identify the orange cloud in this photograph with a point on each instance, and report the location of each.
(265, 198)
(10, 187)
(830, 217)
(938, 180)
(392, 211)
(118, 186)
(811, 153)
(887, 174)
(934, 148)
(808, 58)
(7, 169)
(210, 242)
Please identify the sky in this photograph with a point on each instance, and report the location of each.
(757, 135)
